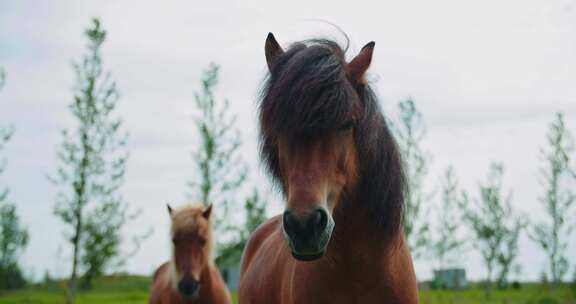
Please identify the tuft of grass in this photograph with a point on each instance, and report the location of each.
(46, 297)
(109, 290)
(124, 289)
(528, 294)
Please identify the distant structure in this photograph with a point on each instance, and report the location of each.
(450, 278)
(231, 275)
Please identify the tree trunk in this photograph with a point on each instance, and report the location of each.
(80, 189)
(488, 283)
(73, 284)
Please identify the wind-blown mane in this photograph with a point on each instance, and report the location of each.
(308, 94)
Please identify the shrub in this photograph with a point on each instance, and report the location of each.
(11, 277)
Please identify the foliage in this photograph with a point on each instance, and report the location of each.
(410, 132)
(92, 161)
(11, 277)
(496, 228)
(2, 77)
(101, 250)
(221, 171)
(573, 284)
(255, 214)
(448, 241)
(13, 237)
(558, 199)
(255, 208)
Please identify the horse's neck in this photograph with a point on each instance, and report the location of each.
(355, 240)
(366, 265)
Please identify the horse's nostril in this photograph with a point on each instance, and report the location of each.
(322, 219)
(317, 218)
(289, 221)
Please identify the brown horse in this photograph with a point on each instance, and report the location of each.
(327, 146)
(190, 277)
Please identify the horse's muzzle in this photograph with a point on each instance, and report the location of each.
(307, 235)
(188, 288)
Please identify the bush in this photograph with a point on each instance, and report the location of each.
(573, 285)
(548, 301)
(437, 285)
(11, 277)
(516, 285)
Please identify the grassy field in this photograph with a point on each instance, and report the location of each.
(109, 290)
(527, 294)
(132, 289)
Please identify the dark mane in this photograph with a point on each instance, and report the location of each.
(308, 94)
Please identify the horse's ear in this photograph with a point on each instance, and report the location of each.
(359, 65)
(272, 50)
(169, 209)
(206, 213)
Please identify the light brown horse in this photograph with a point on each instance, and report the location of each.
(326, 144)
(191, 276)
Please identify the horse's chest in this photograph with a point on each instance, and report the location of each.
(335, 288)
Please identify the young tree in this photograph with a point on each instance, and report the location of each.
(255, 208)
(13, 237)
(509, 252)
(2, 77)
(495, 226)
(448, 242)
(220, 170)
(558, 199)
(254, 215)
(92, 161)
(410, 132)
(573, 284)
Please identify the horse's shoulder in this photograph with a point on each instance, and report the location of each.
(217, 278)
(258, 237)
(220, 292)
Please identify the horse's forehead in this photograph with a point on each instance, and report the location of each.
(190, 223)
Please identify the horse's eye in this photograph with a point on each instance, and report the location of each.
(202, 242)
(347, 125)
(174, 240)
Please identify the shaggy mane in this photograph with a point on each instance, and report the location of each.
(189, 219)
(307, 95)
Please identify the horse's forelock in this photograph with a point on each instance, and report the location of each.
(190, 219)
(307, 92)
(186, 219)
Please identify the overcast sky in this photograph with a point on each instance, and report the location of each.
(487, 75)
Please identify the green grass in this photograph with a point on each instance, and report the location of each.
(45, 297)
(527, 294)
(134, 289)
(109, 290)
